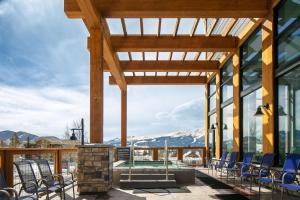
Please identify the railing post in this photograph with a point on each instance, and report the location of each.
(58, 162)
(116, 154)
(155, 154)
(180, 154)
(8, 167)
(204, 156)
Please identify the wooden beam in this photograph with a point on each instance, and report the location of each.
(96, 86)
(236, 100)
(268, 84)
(169, 66)
(93, 19)
(162, 80)
(218, 116)
(179, 43)
(206, 122)
(123, 118)
(175, 8)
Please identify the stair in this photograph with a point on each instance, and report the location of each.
(147, 181)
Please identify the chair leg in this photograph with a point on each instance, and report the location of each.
(282, 191)
(251, 179)
(64, 191)
(73, 191)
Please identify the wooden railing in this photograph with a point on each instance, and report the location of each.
(179, 150)
(7, 158)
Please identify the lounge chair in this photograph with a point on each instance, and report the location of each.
(230, 164)
(218, 163)
(54, 179)
(32, 185)
(259, 172)
(239, 168)
(285, 176)
(9, 193)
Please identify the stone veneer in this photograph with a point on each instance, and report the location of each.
(95, 168)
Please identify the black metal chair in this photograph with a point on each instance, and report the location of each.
(9, 193)
(32, 185)
(55, 179)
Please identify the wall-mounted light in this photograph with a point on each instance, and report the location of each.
(225, 127)
(213, 127)
(281, 111)
(259, 110)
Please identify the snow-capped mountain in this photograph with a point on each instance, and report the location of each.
(7, 135)
(179, 138)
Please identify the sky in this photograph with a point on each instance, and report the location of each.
(44, 79)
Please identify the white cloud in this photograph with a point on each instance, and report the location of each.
(44, 111)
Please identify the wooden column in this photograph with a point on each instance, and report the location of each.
(123, 118)
(218, 116)
(96, 85)
(236, 100)
(155, 154)
(206, 121)
(58, 162)
(180, 154)
(268, 84)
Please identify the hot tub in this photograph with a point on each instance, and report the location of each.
(183, 174)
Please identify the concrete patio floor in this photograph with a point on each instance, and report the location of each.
(197, 191)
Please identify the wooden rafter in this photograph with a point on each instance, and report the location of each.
(175, 8)
(162, 80)
(179, 43)
(169, 66)
(93, 19)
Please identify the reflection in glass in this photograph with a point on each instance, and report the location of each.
(227, 70)
(211, 136)
(212, 86)
(226, 81)
(227, 91)
(227, 128)
(212, 102)
(289, 119)
(288, 32)
(252, 60)
(252, 126)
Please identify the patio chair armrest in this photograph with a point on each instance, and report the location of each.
(285, 174)
(5, 193)
(14, 191)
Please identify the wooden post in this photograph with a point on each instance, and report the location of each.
(8, 168)
(96, 85)
(155, 154)
(180, 153)
(58, 162)
(236, 100)
(123, 118)
(218, 116)
(206, 120)
(268, 84)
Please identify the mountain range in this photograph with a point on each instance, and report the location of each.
(178, 138)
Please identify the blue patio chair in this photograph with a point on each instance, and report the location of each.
(262, 171)
(290, 187)
(230, 164)
(219, 163)
(286, 176)
(9, 193)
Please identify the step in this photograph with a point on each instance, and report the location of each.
(147, 176)
(147, 184)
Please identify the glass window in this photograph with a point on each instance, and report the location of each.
(227, 91)
(252, 125)
(211, 135)
(227, 128)
(252, 60)
(288, 29)
(289, 113)
(226, 81)
(212, 86)
(212, 102)
(227, 70)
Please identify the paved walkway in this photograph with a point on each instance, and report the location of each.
(198, 191)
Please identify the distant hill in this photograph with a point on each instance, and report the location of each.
(179, 138)
(6, 135)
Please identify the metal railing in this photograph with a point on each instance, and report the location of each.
(195, 156)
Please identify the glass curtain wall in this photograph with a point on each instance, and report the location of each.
(251, 76)
(212, 116)
(288, 78)
(227, 106)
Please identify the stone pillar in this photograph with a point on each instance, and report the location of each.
(95, 168)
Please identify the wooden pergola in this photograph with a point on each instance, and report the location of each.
(227, 23)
